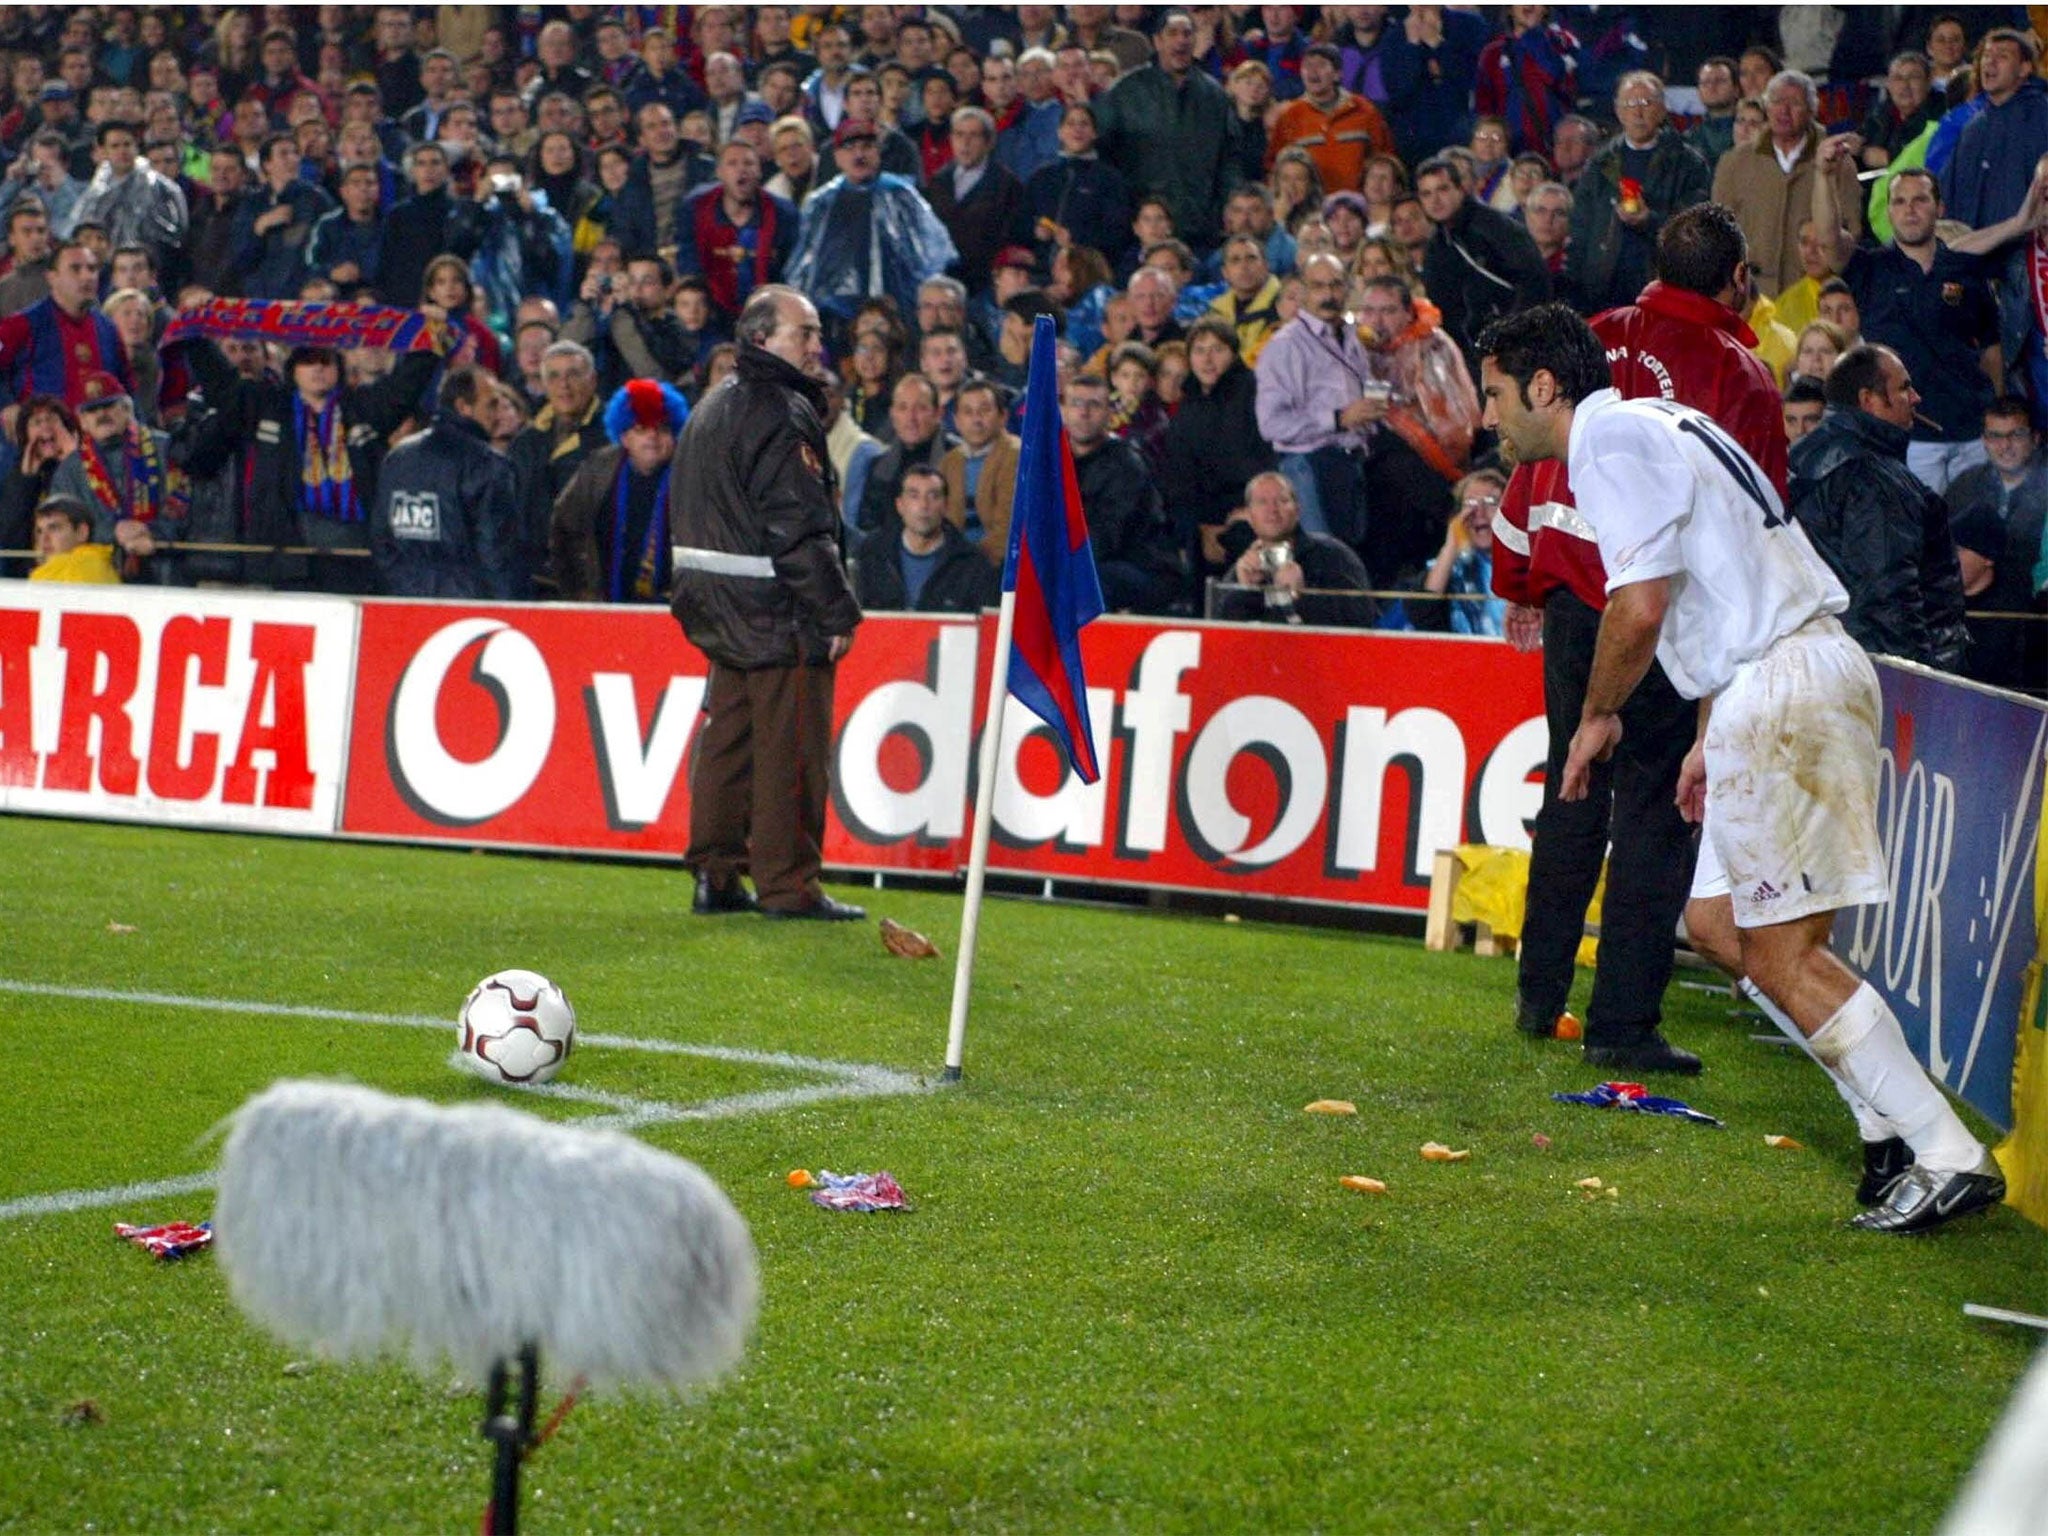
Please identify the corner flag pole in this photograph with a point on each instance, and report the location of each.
(1050, 586)
(984, 818)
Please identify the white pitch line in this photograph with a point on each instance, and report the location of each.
(65, 1201)
(850, 1080)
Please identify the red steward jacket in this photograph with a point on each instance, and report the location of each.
(1669, 345)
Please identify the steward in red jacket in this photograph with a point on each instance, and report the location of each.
(1668, 345)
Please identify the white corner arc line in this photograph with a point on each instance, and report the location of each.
(848, 1080)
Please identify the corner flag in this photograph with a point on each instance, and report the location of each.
(1051, 568)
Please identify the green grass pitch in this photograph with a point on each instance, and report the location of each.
(1132, 1296)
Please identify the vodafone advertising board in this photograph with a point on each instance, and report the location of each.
(159, 705)
(1298, 764)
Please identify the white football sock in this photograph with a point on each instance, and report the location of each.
(1870, 1125)
(1863, 1043)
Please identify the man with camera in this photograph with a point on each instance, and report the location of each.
(647, 340)
(1321, 398)
(523, 244)
(1295, 566)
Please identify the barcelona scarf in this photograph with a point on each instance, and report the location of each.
(308, 323)
(646, 572)
(151, 487)
(327, 485)
(154, 487)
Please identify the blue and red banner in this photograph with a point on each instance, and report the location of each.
(309, 323)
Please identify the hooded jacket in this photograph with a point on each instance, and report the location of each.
(446, 519)
(1986, 179)
(753, 481)
(905, 244)
(142, 208)
(1885, 534)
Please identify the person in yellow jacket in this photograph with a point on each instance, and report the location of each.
(1776, 343)
(63, 548)
(1799, 303)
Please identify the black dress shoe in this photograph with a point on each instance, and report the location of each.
(1531, 1020)
(713, 900)
(823, 910)
(1652, 1053)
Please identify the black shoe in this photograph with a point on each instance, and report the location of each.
(1535, 1021)
(714, 900)
(823, 910)
(1920, 1199)
(1652, 1053)
(1883, 1161)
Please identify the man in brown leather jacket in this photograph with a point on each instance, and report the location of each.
(761, 591)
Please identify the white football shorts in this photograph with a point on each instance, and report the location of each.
(1792, 771)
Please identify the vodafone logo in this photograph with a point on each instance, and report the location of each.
(434, 781)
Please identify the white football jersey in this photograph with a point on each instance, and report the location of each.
(1669, 493)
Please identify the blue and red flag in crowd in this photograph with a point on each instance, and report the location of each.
(1051, 568)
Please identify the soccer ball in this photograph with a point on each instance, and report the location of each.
(516, 1027)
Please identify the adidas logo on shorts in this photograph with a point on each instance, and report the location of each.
(1765, 891)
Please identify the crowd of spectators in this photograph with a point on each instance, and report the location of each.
(1268, 236)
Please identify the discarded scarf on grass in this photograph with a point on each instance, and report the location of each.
(858, 1192)
(1634, 1096)
(308, 323)
(172, 1240)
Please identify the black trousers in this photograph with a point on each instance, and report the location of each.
(1630, 801)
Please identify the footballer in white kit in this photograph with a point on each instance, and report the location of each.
(1710, 576)
(1791, 744)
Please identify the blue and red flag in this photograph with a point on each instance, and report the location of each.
(1051, 567)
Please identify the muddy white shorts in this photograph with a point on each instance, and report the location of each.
(1792, 770)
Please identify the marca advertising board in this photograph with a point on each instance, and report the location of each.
(1309, 765)
(180, 707)
(1959, 807)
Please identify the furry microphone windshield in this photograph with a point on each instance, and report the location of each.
(361, 1224)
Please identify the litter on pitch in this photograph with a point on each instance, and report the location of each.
(1636, 1097)
(1330, 1107)
(861, 1192)
(171, 1240)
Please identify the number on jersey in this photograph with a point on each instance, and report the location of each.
(1741, 468)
